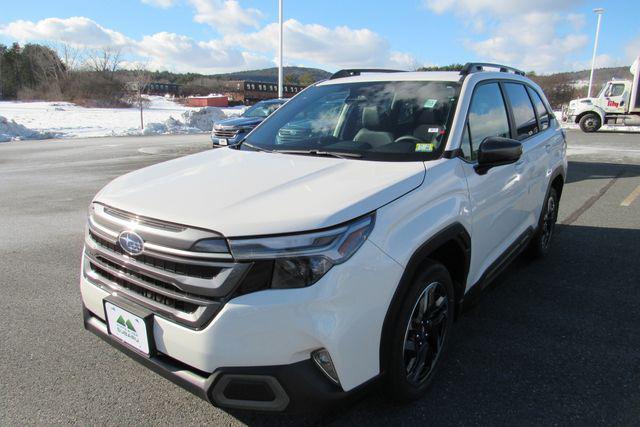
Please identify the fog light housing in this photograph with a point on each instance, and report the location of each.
(322, 359)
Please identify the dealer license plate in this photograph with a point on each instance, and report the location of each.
(127, 327)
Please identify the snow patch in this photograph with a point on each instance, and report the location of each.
(67, 120)
(193, 121)
(12, 131)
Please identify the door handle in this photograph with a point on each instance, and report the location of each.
(548, 147)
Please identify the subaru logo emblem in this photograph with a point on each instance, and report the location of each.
(131, 242)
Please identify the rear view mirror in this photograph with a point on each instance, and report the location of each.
(497, 151)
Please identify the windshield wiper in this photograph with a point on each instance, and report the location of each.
(255, 147)
(339, 155)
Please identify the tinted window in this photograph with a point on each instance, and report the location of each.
(487, 115)
(403, 121)
(523, 114)
(541, 110)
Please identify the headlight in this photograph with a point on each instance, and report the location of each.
(302, 259)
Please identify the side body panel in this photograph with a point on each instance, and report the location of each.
(407, 223)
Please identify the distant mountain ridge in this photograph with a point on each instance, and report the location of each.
(270, 75)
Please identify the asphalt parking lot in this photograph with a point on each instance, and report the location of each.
(555, 341)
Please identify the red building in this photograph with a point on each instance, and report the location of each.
(208, 101)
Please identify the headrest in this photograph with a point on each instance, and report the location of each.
(370, 118)
(429, 116)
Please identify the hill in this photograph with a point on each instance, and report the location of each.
(270, 75)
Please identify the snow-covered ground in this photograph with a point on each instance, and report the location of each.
(38, 120)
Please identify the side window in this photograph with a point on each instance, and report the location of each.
(487, 116)
(541, 110)
(616, 90)
(523, 114)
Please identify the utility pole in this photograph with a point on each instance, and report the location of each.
(1, 55)
(280, 69)
(599, 11)
(140, 104)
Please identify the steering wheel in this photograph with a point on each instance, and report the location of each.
(409, 138)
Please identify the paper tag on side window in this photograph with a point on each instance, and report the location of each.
(430, 103)
(424, 148)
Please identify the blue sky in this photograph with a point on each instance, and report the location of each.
(226, 35)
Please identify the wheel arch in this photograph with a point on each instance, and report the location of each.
(595, 110)
(557, 182)
(452, 248)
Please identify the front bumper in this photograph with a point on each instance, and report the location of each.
(265, 332)
(221, 142)
(297, 387)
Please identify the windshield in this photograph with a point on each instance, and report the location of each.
(261, 109)
(394, 121)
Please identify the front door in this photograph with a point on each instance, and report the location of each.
(616, 98)
(498, 198)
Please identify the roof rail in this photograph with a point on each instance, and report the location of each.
(474, 67)
(358, 71)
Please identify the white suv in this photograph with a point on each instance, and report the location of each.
(334, 247)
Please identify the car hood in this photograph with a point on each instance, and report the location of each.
(240, 121)
(248, 193)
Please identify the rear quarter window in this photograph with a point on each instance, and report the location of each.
(541, 109)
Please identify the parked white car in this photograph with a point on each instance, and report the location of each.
(289, 273)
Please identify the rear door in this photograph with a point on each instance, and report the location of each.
(498, 198)
(535, 148)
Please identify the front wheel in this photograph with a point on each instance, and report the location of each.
(590, 122)
(420, 334)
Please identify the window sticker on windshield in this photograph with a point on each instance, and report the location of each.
(434, 130)
(430, 103)
(424, 148)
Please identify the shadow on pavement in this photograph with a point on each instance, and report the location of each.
(580, 171)
(553, 341)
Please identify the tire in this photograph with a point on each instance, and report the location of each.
(590, 122)
(541, 242)
(405, 378)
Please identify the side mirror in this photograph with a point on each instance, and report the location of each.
(497, 151)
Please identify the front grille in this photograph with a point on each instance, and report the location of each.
(144, 292)
(173, 281)
(192, 270)
(225, 133)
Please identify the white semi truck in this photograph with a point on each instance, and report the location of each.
(618, 103)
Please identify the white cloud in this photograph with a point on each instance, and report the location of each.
(313, 44)
(536, 35)
(632, 49)
(164, 4)
(77, 31)
(530, 41)
(332, 47)
(225, 16)
(169, 50)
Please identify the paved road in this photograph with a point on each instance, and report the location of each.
(553, 341)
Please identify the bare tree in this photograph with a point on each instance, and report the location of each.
(105, 60)
(139, 83)
(71, 56)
